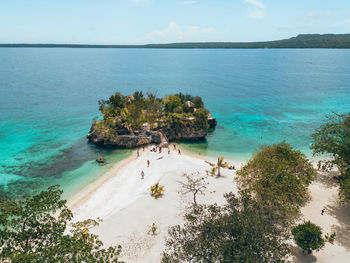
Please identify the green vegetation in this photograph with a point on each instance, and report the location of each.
(278, 176)
(152, 229)
(157, 190)
(330, 237)
(35, 230)
(300, 41)
(308, 236)
(216, 167)
(136, 110)
(240, 231)
(255, 225)
(333, 139)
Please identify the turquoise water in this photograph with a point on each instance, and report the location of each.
(49, 97)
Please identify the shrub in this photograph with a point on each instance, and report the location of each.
(333, 139)
(278, 176)
(308, 236)
(240, 231)
(171, 103)
(157, 190)
(40, 228)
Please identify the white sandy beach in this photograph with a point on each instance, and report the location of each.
(124, 203)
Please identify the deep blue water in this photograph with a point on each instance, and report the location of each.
(48, 98)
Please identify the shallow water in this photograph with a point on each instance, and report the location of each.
(49, 97)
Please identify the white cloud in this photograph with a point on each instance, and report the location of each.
(174, 33)
(256, 9)
(340, 23)
(311, 15)
(256, 3)
(189, 2)
(140, 2)
(330, 13)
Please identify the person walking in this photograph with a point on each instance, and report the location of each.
(168, 150)
(142, 175)
(148, 163)
(179, 152)
(138, 153)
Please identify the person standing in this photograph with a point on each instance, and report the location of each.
(138, 153)
(168, 150)
(179, 152)
(142, 175)
(148, 163)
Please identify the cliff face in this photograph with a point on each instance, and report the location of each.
(122, 137)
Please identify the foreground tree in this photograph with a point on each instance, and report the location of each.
(240, 231)
(278, 176)
(308, 236)
(194, 184)
(35, 229)
(333, 138)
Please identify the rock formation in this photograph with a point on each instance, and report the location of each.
(118, 129)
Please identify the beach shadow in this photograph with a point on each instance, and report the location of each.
(342, 214)
(328, 178)
(301, 257)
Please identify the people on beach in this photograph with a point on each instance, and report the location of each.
(143, 148)
(174, 146)
(179, 152)
(142, 175)
(148, 163)
(322, 211)
(138, 153)
(160, 150)
(168, 151)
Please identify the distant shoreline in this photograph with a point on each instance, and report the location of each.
(309, 41)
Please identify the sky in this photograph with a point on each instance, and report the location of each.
(167, 21)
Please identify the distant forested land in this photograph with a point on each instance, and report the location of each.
(300, 41)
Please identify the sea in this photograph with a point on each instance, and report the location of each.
(49, 96)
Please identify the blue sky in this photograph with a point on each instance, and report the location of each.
(164, 21)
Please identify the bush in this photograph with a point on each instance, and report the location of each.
(308, 236)
(240, 231)
(40, 228)
(332, 138)
(157, 190)
(278, 176)
(171, 103)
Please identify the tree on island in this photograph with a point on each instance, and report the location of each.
(194, 184)
(278, 177)
(36, 229)
(308, 236)
(136, 120)
(333, 138)
(240, 231)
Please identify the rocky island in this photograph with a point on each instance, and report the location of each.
(136, 120)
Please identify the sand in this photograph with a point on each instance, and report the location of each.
(122, 199)
(336, 218)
